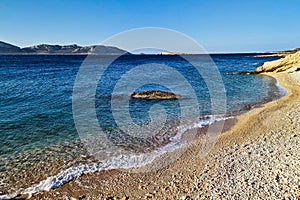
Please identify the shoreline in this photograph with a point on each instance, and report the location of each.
(86, 168)
(180, 176)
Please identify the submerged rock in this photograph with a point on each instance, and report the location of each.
(154, 94)
(244, 73)
(240, 73)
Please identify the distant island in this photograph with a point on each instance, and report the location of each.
(6, 48)
(173, 53)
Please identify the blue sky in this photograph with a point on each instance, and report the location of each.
(218, 25)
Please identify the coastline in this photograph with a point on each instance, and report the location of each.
(190, 177)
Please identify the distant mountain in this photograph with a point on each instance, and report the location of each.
(9, 48)
(6, 48)
(291, 51)
(278, 53)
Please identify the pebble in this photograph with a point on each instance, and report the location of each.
(264, 173)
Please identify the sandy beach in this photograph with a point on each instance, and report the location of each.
(159, 100)
(257, 158)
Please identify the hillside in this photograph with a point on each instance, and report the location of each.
(9, 48)
(6, 48)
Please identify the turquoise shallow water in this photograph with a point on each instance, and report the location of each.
(38, 135)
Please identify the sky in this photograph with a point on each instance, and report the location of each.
(220, 26)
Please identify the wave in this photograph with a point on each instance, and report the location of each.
(118, 162)
(281, 90)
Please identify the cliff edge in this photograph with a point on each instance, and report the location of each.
(289, 63)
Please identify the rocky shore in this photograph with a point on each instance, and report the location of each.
(289, 63)
(258, 158)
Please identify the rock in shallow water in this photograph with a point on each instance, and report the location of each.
(154, 95)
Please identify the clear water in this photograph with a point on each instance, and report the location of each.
(38, 138)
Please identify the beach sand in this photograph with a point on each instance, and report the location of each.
(258, 158)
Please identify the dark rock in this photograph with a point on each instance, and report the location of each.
(239, 73)
(245, 73)
(154, 94)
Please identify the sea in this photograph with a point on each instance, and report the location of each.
(62, 116)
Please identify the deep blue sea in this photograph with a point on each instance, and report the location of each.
(38, 134)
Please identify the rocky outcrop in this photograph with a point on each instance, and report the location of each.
(154, 94)
(6, 48)
(289, 63)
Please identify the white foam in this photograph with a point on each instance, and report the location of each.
(119, 162)
(256, 63)
(282, 90)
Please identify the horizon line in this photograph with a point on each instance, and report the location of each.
(179, 53)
